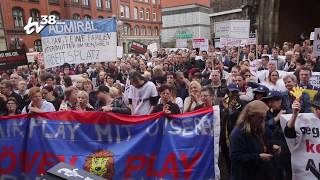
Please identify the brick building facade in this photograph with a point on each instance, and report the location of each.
(276, 21)
(15, 15)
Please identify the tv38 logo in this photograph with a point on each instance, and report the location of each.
(39, 25)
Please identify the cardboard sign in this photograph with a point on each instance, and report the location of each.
(79, 41)
(138, 48)
(181, 43)
(201, 43)
(12, 59)
(316, 42)
(233, 29)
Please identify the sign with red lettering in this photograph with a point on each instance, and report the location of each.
(305, 148)
(138, 48)
(112, 146)
(12, 59)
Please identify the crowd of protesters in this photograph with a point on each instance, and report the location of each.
(252, 144)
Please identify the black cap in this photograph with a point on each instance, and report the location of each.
(273, 95)
(261, 89)
(103, 88)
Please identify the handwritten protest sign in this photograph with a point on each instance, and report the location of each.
(316, 42)
(305, 148)
(79, 42)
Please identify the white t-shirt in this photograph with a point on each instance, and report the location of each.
(141, 98)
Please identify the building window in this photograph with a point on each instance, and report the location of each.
(108, 4)
(156, 31)
(154, 16)
(121, 11)
(126, 30)
(35, 14)
(135, 13)
(56, 14)
(146, 1)
(99, 4)
(127, 12)
(1, 21)
(100, 17)
(153, 1)
(87, 17)
(141, 13)
(76, 16)
(136, 31)
(75, 1)
(85, 2)
(54, 1)
(147, 14)
(149, 31)
(17, 14)
(143, 31)
(37, 45)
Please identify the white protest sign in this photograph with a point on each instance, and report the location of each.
(305, 148)
(31, 56)
(181, 43)
(316, 42)
(315, 79)
(233, 29)
(79, 41)
(119, 51)
(204, 46)
(196, 42)
(312, 36)
(153, 47)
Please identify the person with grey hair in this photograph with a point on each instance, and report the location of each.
(290, 82)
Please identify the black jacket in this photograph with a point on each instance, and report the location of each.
(174, 108)
(244, 154)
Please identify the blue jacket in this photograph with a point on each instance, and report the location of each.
(244, 154)
(287, 101)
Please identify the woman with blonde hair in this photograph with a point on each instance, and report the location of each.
(83, 102)
(88, 87)
(193, 100)
(251, 150)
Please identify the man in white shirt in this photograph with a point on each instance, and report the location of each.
(143, 95)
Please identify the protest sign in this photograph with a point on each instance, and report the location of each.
(138, 48)
(201, 43)
(233, 29)
(315, 79)
(110, 145)
(119, 51)
(79, 41)
(316, 42)
(181, 43)
(13, 58)
(305, 148)
(153, 47)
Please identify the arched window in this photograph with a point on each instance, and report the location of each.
(127, 12)
(147, 14)
(142, 14)
(35, 14)
(136, 31)
(121, 11)
(87, 17)
(85, 2)
(37, 45)
(149, 31)
(154, 16)
(135, 13)
(56, 14)
(127, 30)
(143, 31)
(17, 14)
(99, 4)
(156, 31)
(76, 16)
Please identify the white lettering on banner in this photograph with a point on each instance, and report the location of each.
(305, 148)
(73, 27)
(106, 132)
